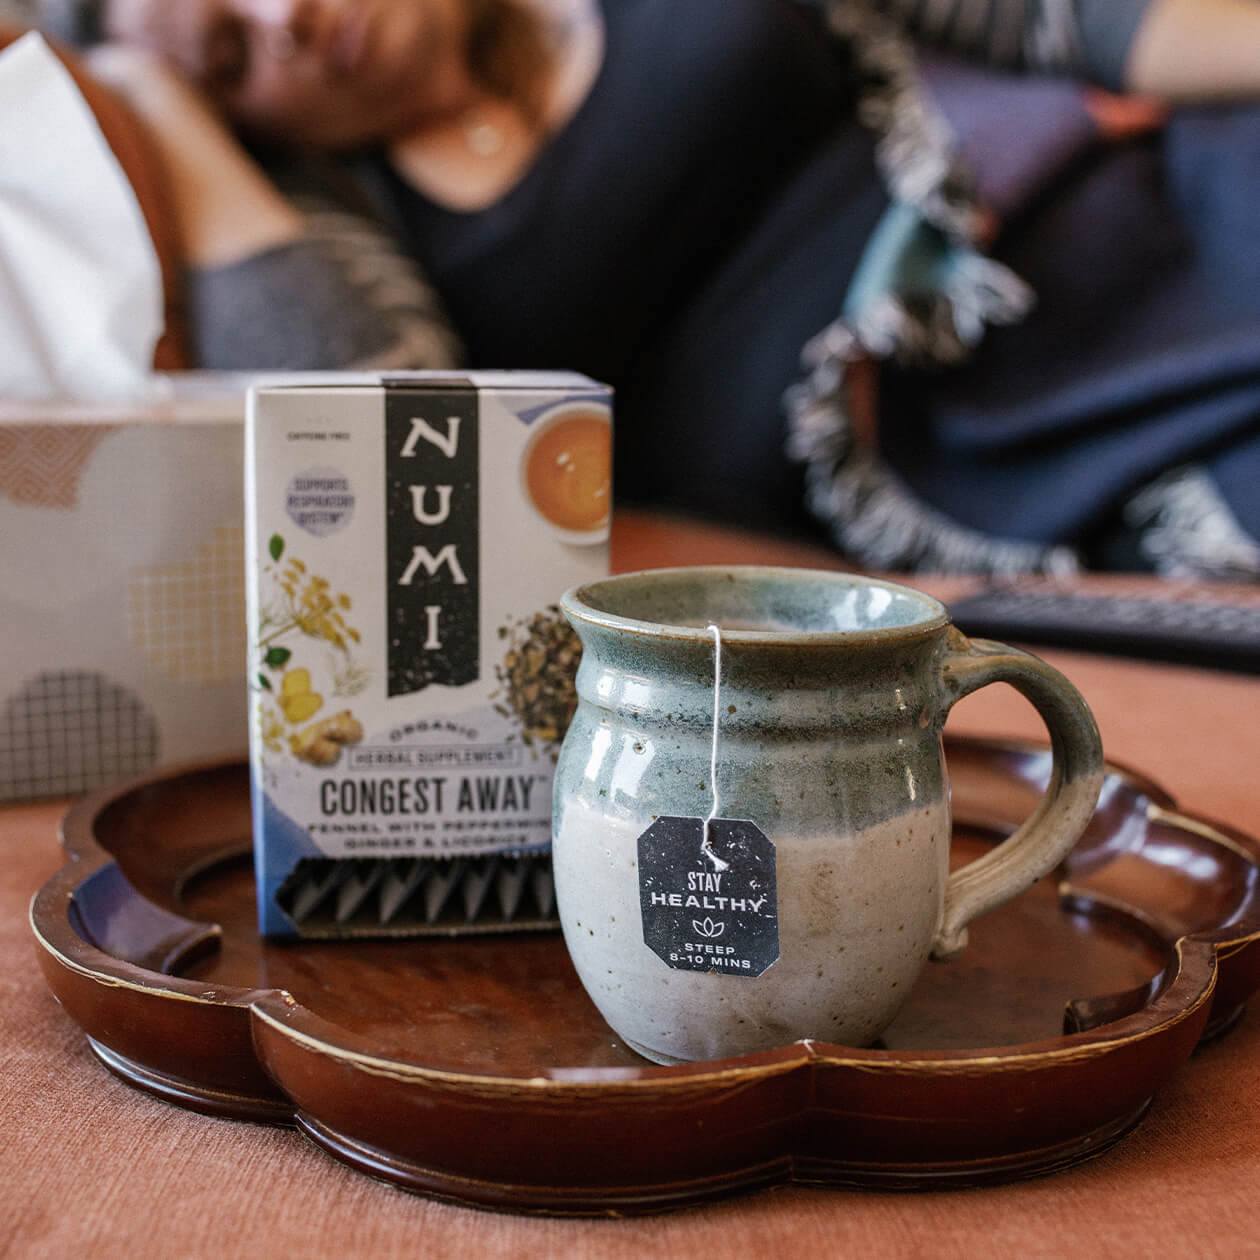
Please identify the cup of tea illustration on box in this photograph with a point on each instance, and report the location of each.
(566, 470)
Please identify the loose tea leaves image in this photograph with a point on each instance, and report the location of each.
(537, 677)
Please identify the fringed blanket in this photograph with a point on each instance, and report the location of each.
(1011, 464)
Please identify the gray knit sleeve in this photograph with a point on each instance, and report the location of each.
(341, 296)
(1088, 38)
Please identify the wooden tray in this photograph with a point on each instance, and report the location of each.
(478, 1070)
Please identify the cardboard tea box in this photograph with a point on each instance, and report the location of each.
(410, 674)
(121, 586)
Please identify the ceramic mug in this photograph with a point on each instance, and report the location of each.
(798, 891)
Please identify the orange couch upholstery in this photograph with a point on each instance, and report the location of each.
(139, 160)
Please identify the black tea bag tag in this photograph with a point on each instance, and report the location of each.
(709, 906)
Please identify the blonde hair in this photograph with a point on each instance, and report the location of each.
(509, 53)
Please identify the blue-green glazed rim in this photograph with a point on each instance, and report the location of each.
(584, 603)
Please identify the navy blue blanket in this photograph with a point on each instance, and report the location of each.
(1142, 352)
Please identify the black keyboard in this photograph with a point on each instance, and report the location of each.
(1191, 625)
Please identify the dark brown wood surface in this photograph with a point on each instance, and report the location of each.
(90, 1163)
(477, 1068)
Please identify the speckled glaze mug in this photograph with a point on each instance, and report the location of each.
(797, 892)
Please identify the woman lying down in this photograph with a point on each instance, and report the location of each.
(969, 309)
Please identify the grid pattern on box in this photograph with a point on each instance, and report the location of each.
(419, 896)
(42, 465)
(189, 618)
(72, 731)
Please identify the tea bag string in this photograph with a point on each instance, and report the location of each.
(706, 846)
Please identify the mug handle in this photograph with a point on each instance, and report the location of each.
(1045, 837)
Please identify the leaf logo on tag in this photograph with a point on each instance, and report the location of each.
(685, 876)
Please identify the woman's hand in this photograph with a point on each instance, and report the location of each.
(1122, 117)
(227, 209)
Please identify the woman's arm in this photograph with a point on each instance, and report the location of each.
(1180, 50)
(225, 207)
(1188, 50)
(277, 277)
(342, 295)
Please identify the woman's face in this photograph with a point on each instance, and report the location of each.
(327, 73)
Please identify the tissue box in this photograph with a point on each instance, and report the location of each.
(121, 587)
(410, 674)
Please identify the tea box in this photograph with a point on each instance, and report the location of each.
(411, 676)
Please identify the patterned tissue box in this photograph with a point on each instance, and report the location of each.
(122, 588)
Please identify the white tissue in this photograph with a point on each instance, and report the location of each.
(80, 283)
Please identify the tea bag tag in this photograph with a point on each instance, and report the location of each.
(708, 895)
(707, 890)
